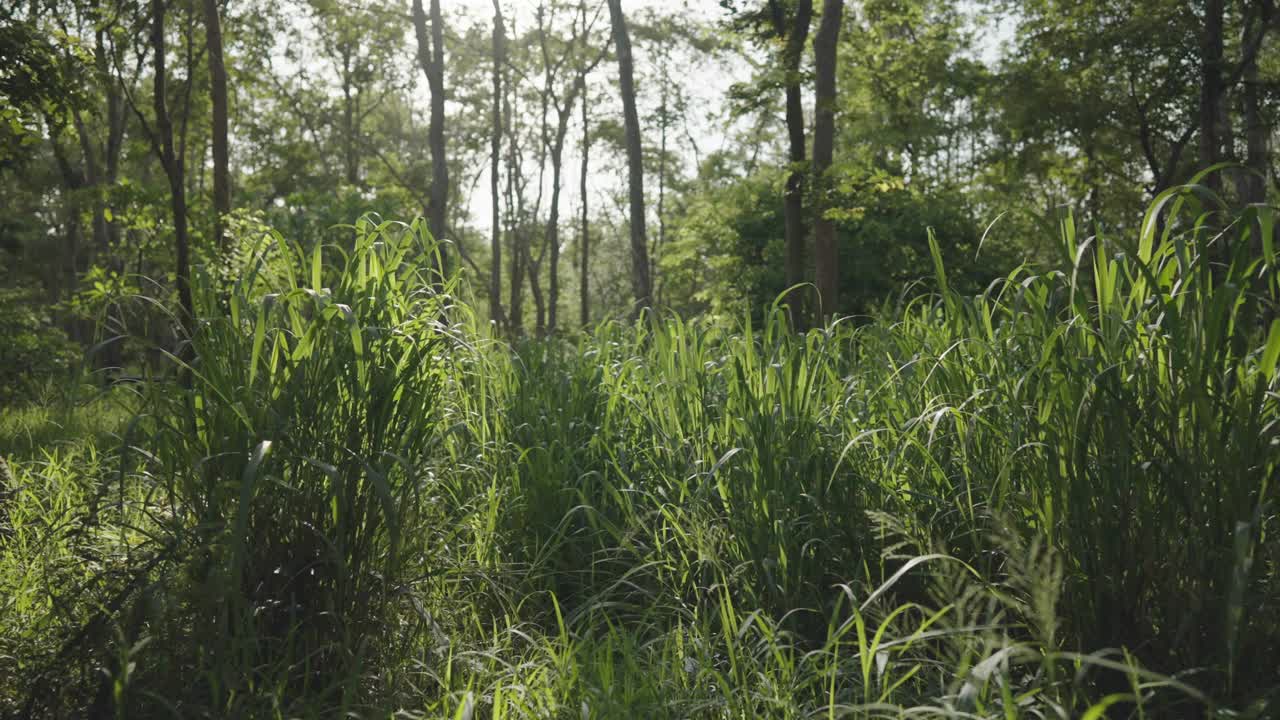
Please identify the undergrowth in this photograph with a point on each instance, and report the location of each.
(1052, 499)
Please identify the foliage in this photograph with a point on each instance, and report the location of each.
(40, 76)
(359, 504)
(726, 254)
(35, 350)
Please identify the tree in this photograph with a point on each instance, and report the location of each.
(1211, 85)
(640, 281)
(513, 200)
(218, 99)
(796, 31)
(584, 273)
(666, 36)
(1171, 83)
(562, 102)
(1253, 181)
(361, 42)
(826, 270)
(431, 58)
(495, 149)
(173, 161)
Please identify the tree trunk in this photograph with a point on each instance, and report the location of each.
(112, 353)
(115, 137)
(350, 117)
(92, 180)
(826, 256)
(534, 265)
(516, 319)
(431, 58)
(1211, 87)
(73, 268)
(584, 294)
(495, 148)
(435, 131)
(174, 171)
(553, 220)
(793, 200)
(1254, 184)
(662, 186)
(351, 160)
(65, 277)
(218, 128)
(640, 280)
(514, 200)
(535, 289)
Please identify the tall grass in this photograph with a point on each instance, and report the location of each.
(1051, 499)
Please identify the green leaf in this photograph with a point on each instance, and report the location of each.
(315, 267)
(259, 335)
(1099, 710)
(1271, 351)
(1267, 227)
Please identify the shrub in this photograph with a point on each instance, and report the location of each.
(35, 350)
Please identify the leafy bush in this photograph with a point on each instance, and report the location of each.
(35, 350)
(727, 252)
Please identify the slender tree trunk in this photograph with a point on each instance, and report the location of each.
(218, 128)
(174, 171)
(435, 131)
(662, 188)
(534, 266)
(1211, 86)
(112, 353)
(495, 148)
(535, 289)
(115, 138)
(516, 319)
(826, 255)
(65, 276)
(94, 173)
(793, 200)
(515, 222)
(431, 58)
(1256, 132)
(553, 220)
(73, 268)
(564, 113)
(584, 273)
(92, 180)
(351, 160)
(640, 281)
(195, 178)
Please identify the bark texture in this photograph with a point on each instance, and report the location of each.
(495, 148)
(218, 121)
(641, 283)
(826, 253)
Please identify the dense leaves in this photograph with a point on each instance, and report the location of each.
(35, 352)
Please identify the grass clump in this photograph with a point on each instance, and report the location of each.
(1054, 498)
